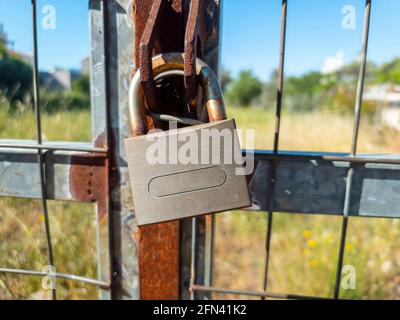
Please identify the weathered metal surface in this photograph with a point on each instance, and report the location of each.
(254, 293)
(318, 187)
(307, 183)
(208, 49)
(354, 143)
(161, 64)
(159, 271)
(151, 30)
(100, 139)
(159, 279)
(88, 178)
(313, 185)
(191, 36)
(19, 179)
(172, 64)
(119, 49)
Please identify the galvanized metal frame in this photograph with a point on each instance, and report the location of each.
(57, 170)
(326, 183)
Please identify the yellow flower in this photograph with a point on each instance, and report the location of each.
(307, 234)
(314, 263)
(41, 218)
(349, 247)
(306, 252)
(312, 243)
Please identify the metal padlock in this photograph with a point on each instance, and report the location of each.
(186, 184)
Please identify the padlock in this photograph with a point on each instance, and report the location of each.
(184, 172)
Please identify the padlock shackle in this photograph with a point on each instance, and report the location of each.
(163, 64)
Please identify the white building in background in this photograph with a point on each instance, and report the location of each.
(85, 66)
(387, 99)
(59, 79)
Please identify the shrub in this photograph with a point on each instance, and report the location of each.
(15, 78)
(245, 89)
(55, 101)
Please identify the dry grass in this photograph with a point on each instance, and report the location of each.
(304, 248)
(328, 131)
(24, 246)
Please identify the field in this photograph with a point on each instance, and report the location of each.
(304, 248)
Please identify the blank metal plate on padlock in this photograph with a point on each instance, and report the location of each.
(165, 192)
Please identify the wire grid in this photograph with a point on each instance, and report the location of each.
(276, 156)
(42, 149)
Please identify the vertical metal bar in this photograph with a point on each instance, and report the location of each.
(41, 155)
(158, 246)
(98, 20)
(361, 77)
(281, 70)
(193, 258)
(113, 227)
(209, 254)
(211, 219)
(272, 179)
(356, 127)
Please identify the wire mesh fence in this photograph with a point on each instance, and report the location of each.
(44, 150)
(276, 156)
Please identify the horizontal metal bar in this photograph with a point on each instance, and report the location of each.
(338, 157)
(20, 178)
(315, 185)
(310, 183)
(53, 147)
(101, 284)
(252, 293)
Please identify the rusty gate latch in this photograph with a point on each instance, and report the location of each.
(152, 27)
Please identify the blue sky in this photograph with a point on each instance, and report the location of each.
(250, 34)
(65, 46)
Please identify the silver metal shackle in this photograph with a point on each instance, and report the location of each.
(167, 65)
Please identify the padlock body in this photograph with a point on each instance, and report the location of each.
(186, 172)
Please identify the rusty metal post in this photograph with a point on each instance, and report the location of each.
(164, 255)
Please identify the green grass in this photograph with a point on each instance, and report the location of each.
(304, 248)
(62, 126)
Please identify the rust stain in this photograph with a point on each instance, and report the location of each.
(191, 36)
(146, 46)
(88, 178)
(158, 244)
(159, 261)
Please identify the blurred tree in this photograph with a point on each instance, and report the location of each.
(226, 79)
(390, 72)
(302, 93)
(15, 78)
(245, 89)
(3, 50)
(82, 85)
(56, 101)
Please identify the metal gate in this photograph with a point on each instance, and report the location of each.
(175, 260)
